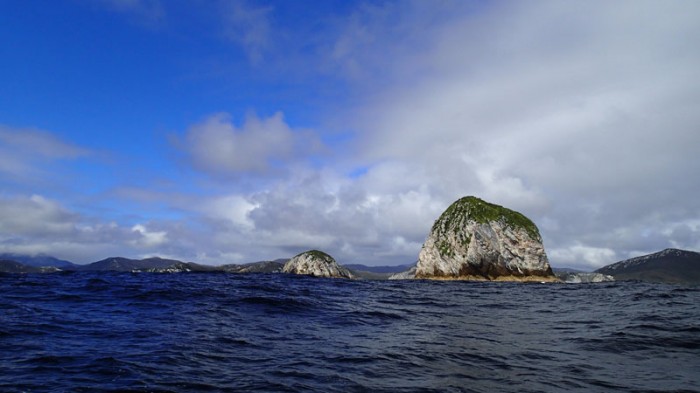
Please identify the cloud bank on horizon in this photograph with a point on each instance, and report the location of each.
(231, 132)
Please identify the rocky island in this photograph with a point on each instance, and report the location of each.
(477, 240)
(316, 263)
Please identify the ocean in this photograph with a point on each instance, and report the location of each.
(218, 332)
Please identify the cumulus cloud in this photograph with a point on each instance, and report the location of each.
(233, 210)
(149, 238)
(328, 211)
(259, 146)
(582, 256)
(36, 224)
(35, 216)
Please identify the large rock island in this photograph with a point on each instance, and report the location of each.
(477, 240)
(316, 263)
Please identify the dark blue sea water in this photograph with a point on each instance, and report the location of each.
(216, 332)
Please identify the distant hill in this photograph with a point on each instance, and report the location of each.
(375, 272)
(179, 267)
(378, 269)
(120, 264)
(568, 270)
(8, 266)
(365, 275)
(15, 263)
(40, 260)
(256, 267)
(668, 266)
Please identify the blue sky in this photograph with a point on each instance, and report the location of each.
(236, 131)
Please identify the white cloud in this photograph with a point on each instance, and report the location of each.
(233, 210)
(35, 216)
(581, 256)
(36, 224)
(259, 146)
(327, 211)
(148, 238)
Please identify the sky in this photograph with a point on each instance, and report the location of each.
(237, 131)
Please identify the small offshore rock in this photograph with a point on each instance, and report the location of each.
(316, 263)
(583, 277)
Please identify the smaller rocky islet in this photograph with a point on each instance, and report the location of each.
(316, 263)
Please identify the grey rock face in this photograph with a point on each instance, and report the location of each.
(477, 240)
(316, 263)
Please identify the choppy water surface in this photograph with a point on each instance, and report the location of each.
(84, 332)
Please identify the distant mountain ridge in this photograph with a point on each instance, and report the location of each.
(179, 267)
(377, 269)
(121, 264)
(256, 267)
(9, 266)
(671, 266)
(39, 260)
(16, 263)
(668, 266)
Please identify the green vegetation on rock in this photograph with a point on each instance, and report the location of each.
(473, 208)
(318, 254)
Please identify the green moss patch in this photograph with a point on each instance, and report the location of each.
(473, 208)
(318, 254)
